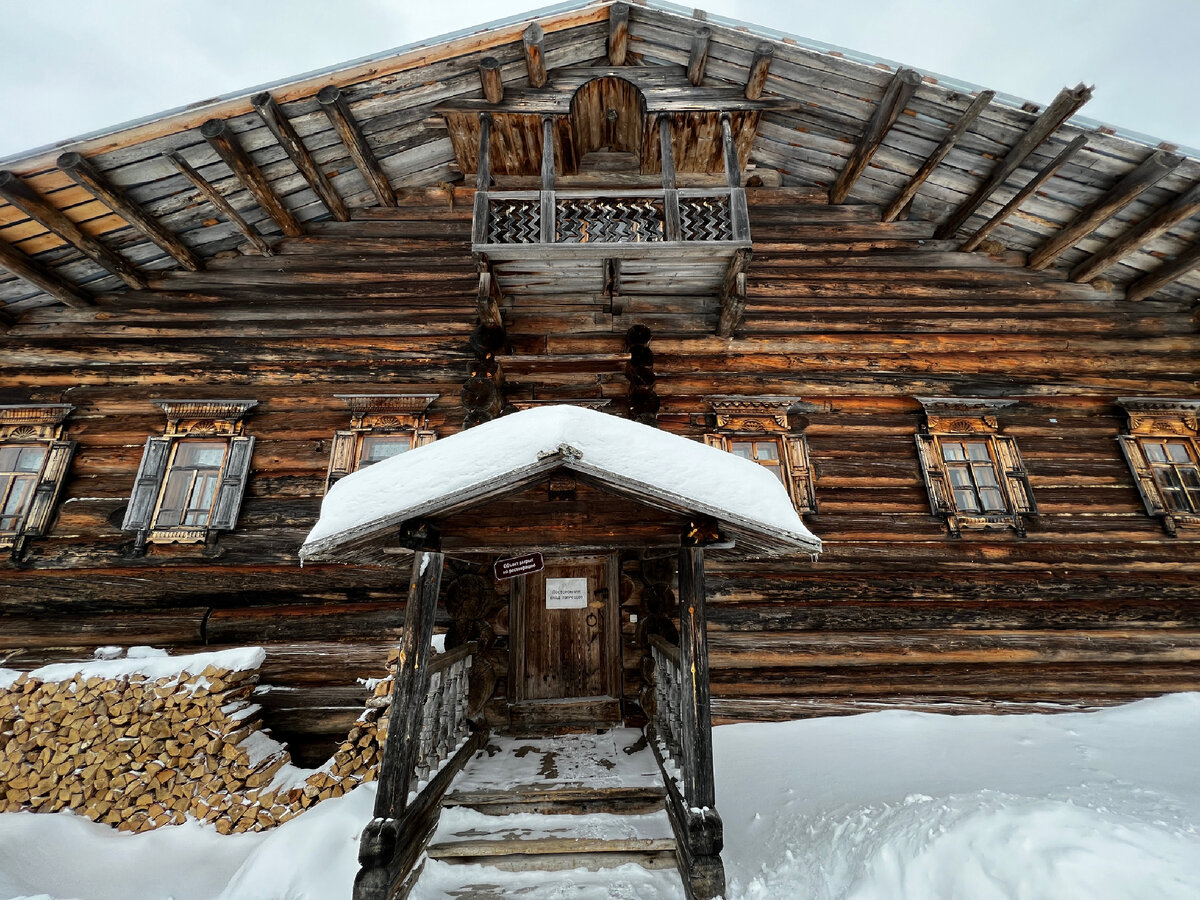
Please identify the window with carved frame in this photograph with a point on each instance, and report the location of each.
(34, 459)
(974, 475)
(759, 429)
(381, 426)
(191, 480)
(1162, 448)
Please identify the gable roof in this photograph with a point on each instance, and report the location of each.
(652, 466)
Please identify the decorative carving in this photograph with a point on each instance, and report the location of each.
(609, 221)
(961, 424)
(388, 412)
(33, 422)
(217, 417)
(753, 415)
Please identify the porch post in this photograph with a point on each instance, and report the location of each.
(483, 181)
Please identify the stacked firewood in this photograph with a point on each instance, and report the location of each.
(138, 752)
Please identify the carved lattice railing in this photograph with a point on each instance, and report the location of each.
(444, 722)
(668, 695)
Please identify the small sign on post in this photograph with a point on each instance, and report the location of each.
(518, 565)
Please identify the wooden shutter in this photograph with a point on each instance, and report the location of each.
(1143, 476)
(49, 486)
(341, 457)
(940, 497)
(147, 484)
(800, 473)
(1015, 475)
(717, 440)
(233, 484)
(424, 437)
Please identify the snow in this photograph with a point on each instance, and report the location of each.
(149, 662)
(472, 462)
(1102, 805)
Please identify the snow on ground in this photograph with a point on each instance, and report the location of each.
(886, 805)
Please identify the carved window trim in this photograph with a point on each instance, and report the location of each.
(962, 421)
(378, 415)
(753, 419)
(41, 426)
(1154, 420)
(191, 422)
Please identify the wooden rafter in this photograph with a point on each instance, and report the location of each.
(1034, 183)
(337, 108)
(895, 98)
(698, 55)
(760, 67)
(535, 58)
(1164, 275)
(83, 173)
(1065, 105)
(285, 134)
(489, 78)
(935, 158)
(1158, 165)
(216, 199)
(42, 278)
(222, 139)
(618, 33)
(24, 198)
(1153, 226)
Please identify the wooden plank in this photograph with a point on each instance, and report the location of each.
(698, 55)
(618, 33)
(939, 153)
(490, 80)
(24, 198)
(696, 726)
(42, 278)
(218, 200)
(760, 66)
(223, 140)
(285, 133)
(895, 97)
(1164, 275)
(337, 108)
(1156, 166)
(535, 60)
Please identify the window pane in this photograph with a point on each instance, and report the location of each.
(766, 449)
(1154, 451)
(1190, 476)
(992, 499)
(378, 447)
(19, 494)
(977, 450)
(744, 449)
(170, 511)
(29, 459)
(985, 475)
(964, 500)
(200, 502)
(201, 454)
(952, 451)
(959, 477)
(1177, 451)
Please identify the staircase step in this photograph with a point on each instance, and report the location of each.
(486, 882)
(559, 800)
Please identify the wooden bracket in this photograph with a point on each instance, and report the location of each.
(489, 78)
(419, 534)
(760, 66)
(337, 108)
(895, 97)
(698, 55)
(1164, 275)
(42, 278)
(1153, 226)
(281, 127)
(222, 139)
(733, 292)
(222, 205)
(535, 60)
(618, 33)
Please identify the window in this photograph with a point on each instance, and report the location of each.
(191, 480)
(33, 465)
(974, 475)
(1164, 455)
(381, 426)
(759, 429)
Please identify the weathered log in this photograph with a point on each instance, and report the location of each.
(489, 78)
(218, 200)
(1164, 275)
(42, 278)
(698, 55)
(535, 61)
(337, 108)
(618, 33)
(760, 67)
(895, 97)
(637, 335)
(281, 127)
(223, 140)
(485, 303)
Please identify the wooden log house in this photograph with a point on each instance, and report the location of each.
(961, 330)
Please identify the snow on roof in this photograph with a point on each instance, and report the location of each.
(654, 464)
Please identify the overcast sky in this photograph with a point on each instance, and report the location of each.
(74, 66)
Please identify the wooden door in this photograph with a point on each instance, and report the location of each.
(566, 640)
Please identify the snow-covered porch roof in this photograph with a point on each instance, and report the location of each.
(652, 467)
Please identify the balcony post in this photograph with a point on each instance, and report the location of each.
(670, 193)
(739, 214)
(547, 218)
(483, 180)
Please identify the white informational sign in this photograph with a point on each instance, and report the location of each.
(566, 593)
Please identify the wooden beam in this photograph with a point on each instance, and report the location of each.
(698, 55)
(535, 59)
(489, 77)
(222, 139)
(1066, 104)
(935, 158)
(618, 33)
(695, 708)
(216, 199)
(42, 278)
(1153, 226)
(483, 180)
(83, 173)
(1034, 183)
(760, 65)
(733, 292)
(1155, 167)
(547, 197)
(671, 220)
(895, 97)
(24, 198)
(281, 127)
(485, 301)
(1164, 275)
(739, 213)
(337, 108)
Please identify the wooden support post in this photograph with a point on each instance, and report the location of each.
(281, 127)
(84, 174)
(693, 663)
(42, 278)
(535, 61)
(489, 77)
(935, 158)
(483, 180)
(547, 211)
(485, 301)
(337, 108)
(222, 139)
(1164, 275)
(895, 97)
(739, 213)
(1065, 105)
(1153, 169)
(28, 201)
(670, 191)
(618, 33)
(216, 199)
(733, 292)
(698, 55)
(760, 66)
(1036, 182)
(409, 686)
(1153, 226)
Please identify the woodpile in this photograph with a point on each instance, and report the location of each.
(139, 752)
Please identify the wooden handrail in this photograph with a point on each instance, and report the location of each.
(669, 650)
(450, 657)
